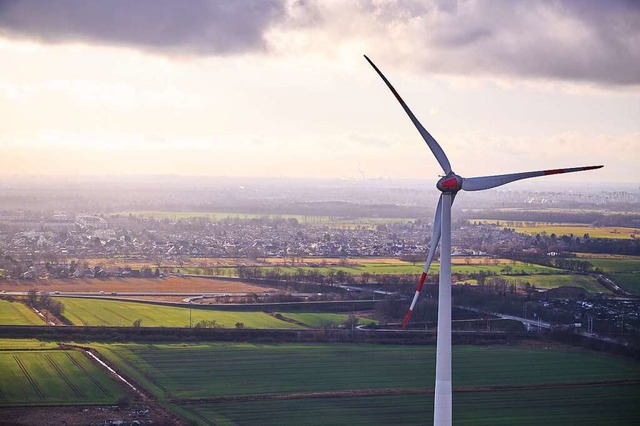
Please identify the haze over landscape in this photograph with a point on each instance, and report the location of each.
(216, 212)
(280, 88)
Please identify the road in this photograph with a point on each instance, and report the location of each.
(536, 323)
(147, 293)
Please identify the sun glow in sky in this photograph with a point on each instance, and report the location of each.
(280, 88)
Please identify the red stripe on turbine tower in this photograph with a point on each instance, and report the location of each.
(406, 319)
(421, 283)
(415, 299)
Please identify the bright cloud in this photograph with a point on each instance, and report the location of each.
(280, 88)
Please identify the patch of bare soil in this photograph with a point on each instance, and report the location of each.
(137, 413)
(175, 299)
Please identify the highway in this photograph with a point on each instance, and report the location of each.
(147, 293)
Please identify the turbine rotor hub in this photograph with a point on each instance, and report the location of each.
(450, 183)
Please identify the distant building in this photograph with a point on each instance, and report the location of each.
(89, 221)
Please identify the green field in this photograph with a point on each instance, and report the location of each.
(624, 271)
(26, 344)
(587, 282)
(577, 229)
(409, 268)
(98, 312)
(613, 405)
(319, 320)
(490, 266)
(15, 313)
(628, 282)
(615, 265)
(180, 373)
(39, 376)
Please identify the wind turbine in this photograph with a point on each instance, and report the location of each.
(449, 185)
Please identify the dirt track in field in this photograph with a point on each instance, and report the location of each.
(353, 393)
(168, 285)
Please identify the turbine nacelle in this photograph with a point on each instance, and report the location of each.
(450, 183)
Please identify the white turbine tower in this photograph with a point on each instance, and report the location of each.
(449, 185)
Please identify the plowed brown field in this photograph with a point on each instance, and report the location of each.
(165, 285)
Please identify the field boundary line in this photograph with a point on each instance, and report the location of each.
(198, 415)
(93, 379)
(116, 314)
(21, 314)
(131, 365)
(63, 376)
(34, 385)
(356, 393)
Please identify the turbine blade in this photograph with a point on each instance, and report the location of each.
(431, 142)
(435, 238)
(486, 182)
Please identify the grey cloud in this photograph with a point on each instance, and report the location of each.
(165, 26)
(592, 40)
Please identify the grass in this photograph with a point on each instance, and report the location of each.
(319, 320)
(612, 265)
(409, 268)
(187, 370)
(587, 282)
(15, 313)
(611, 405)
(622, 270)
(628, 282)
(52, 377)
(212, 370)
(25, 344)
(98, 312)
(533, 228)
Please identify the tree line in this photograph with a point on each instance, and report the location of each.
(45, 302)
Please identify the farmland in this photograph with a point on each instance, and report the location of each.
(25, 344)
(283, 378)
(318, 320)
(168, 284)
(99, 312)
(532, 228)
(395, 267)
(524, 407)
(587, 282)
(623, 270)
(35, 375)
(15, 313)
(616, 265)
(629, 282)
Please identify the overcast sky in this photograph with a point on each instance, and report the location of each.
(280, 88)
